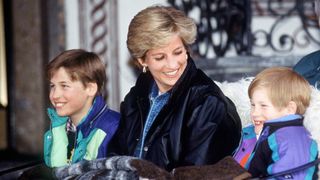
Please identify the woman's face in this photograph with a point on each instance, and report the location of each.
(166, 64)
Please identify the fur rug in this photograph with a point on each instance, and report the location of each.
(238, 93)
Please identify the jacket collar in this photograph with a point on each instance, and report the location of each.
(96, 109)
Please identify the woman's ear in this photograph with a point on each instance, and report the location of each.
(92, 88)
(292, 107)
(141, 62)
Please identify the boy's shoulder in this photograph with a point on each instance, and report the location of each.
(112, 113)
(288, 132)
(108, 119)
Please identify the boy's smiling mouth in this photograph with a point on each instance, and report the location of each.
(58, 104)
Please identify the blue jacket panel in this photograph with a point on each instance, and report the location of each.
(309, 68)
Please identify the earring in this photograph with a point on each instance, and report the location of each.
(186, 56)
(144, 69)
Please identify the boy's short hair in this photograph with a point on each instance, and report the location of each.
(283, 85)
(80, 65)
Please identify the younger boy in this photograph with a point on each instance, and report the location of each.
(277, 140)
(81, 122)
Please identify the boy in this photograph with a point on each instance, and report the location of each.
(81, 123)
(278, 141)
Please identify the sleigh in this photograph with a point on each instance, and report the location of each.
(126, 167)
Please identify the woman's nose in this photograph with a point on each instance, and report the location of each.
(172, 63)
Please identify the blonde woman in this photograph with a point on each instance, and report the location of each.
(175, 115)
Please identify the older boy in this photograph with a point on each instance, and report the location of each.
(81, 122)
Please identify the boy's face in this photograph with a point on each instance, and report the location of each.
(262, 109)
(69, 98)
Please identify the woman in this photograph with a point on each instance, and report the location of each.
(174, 115)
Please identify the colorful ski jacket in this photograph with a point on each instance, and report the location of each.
(91, 137)
(284, 144)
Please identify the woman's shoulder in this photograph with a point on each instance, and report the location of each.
(141, 86)
(200, 78)
(203, 85)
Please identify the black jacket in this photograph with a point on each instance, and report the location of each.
(197, 126)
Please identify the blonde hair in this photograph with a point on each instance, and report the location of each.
(153, 27)
(283, 85)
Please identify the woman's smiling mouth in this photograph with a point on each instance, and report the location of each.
(171, 73)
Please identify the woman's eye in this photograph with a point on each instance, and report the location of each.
(51, 86)
(178, 53)
(159, 58)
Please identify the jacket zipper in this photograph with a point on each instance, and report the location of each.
(74, 147)
(75, 137)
